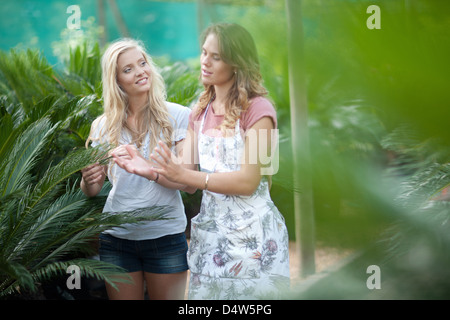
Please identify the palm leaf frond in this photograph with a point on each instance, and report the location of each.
(23, 156)
(88, 268)
(74, 162)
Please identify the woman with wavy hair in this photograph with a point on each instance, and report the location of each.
(137, 114)
(239, 242)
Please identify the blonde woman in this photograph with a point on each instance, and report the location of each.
(136, 114)
(239, 241)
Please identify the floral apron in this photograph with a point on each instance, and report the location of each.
(239, 247)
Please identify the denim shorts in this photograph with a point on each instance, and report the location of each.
(162, 255)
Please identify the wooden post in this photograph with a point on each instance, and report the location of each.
(102, 22)
(119, 19)
(303, 203)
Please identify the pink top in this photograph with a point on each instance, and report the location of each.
(259, 108)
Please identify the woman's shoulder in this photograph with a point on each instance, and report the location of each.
(258, 108)
(98, 129)
(178, 115)
(101, 119)
(260, 103)
(98, 123)
(197, 112)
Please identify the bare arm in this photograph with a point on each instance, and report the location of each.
(92, 180)
(241, 182)
(179, 147)
(128, 158)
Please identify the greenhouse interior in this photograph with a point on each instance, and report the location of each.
(361, 167)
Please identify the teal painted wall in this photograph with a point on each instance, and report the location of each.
(166, 28)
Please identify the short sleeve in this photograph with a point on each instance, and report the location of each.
(180, 115)
(259, 108)
(96, 135)
(194, 118)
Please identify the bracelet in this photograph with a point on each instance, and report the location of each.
(157, 177)
(206, 181)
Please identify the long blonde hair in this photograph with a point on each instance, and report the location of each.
(237, 49)
(153, 118)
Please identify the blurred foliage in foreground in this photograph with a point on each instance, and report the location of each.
(400, 72)
(379, 114)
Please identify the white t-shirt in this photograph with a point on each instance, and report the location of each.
(130, 191)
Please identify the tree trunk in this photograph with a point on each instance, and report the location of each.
(303, 203)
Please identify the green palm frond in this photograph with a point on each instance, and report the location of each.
(55, 175)
(12, 270)
(22, 157)
(182, 83)
(28, 76)
(88, 268)
(26, 280)
(51, 223)
(64, 230)
(47, 224)
(7, 135)
(82, 73)
(85, 62)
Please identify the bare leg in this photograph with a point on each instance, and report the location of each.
(170, 286)
(128, 291)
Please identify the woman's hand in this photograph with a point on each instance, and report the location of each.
(128, 158)
(124, 153)
(168, 163)
(93, 174)
(93, 177)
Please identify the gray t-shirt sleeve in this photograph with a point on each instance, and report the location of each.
(180, 120)
(97, 136)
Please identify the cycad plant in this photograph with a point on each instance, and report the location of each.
(44, 221)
